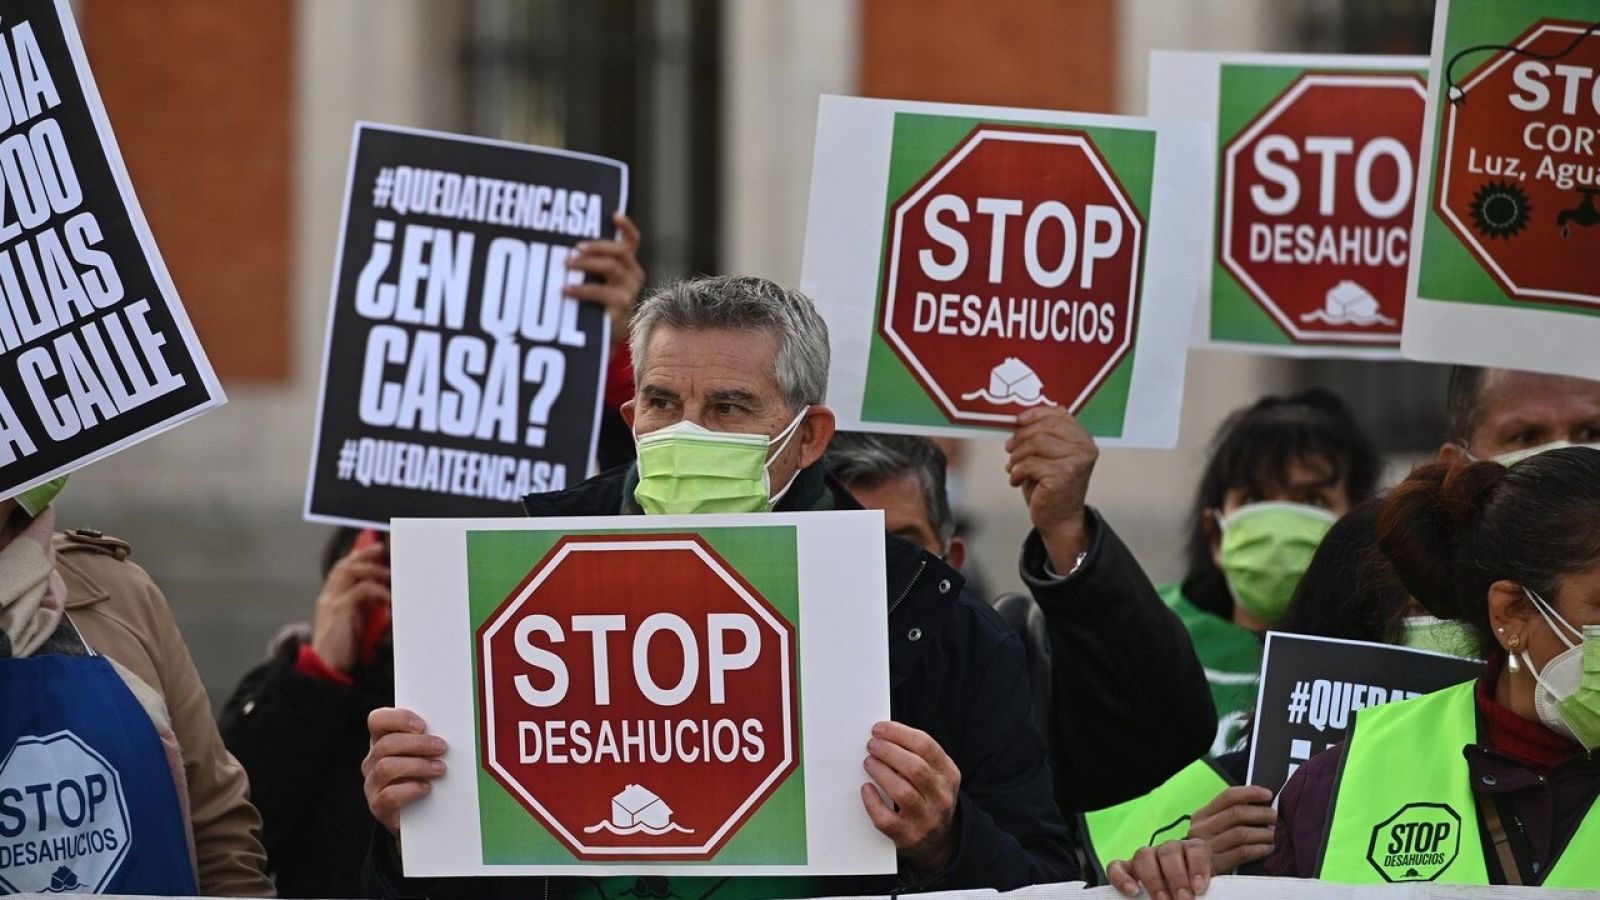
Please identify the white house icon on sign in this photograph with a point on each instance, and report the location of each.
(637, 810)
(638, 806)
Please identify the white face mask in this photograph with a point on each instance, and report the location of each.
(1515, 456)
(1560, 677)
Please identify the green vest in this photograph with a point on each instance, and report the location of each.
(1403, 808)
(1231, 657)
(1116, 832)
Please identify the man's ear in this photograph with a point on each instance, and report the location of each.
(1510, 609)
(815, 432)
(956, 556)
(1452, 452)
(627, 409)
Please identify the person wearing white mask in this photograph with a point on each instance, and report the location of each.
(1504, 415)
(730, 417)
(1493, 781)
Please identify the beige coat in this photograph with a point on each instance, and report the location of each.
(122, 615)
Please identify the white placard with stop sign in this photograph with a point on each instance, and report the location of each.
(976, 262)
(1317, 159)
(644, 695)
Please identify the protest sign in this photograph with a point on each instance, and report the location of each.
(458, 378)
(1315, 180)
(973, 262)
(664, 694)
(1312, 686)
(1506, 218)
(96, 352)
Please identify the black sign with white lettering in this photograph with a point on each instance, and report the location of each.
(1312, 686)
(96, 352)
(458, 375)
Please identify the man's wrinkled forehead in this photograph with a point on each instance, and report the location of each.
(1509, 397)
(711, 362)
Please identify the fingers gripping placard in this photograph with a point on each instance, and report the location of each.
(95, 350)
(459, 375)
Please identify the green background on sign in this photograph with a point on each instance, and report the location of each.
(1244, 91)
(1449, 271)
(892, 393)
(766, 557)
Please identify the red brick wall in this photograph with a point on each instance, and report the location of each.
(1055, 54)
(200, 96)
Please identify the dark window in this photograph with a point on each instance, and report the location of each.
(633, 81)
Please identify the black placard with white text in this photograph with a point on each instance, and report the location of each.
(1312, 686)
(96, 352)
(458, 376)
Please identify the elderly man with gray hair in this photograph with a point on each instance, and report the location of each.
(962, 764)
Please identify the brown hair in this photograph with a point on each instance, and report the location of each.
(1453, 529)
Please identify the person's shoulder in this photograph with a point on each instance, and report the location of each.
(914, 572)
(97, 567)
(600, 495)
(986, 629)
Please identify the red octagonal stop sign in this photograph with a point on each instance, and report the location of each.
(638, 697)
(1013, 274)
(1317, 196)
(1519, 164)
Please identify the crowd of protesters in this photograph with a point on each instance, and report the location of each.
(1019, 724)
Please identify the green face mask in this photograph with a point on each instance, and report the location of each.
(1566, 695)
(1581, 708)
(35, 499)
(1266, 548)
(1447, 636)
(686, 469)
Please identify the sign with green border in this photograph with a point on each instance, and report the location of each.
(1009, 259)
(643, 695)
(1314, 189)
(1508, 225)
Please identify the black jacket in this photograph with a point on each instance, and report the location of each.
(1132, 703)
(956, 672)
(301, 740)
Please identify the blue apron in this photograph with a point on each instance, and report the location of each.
(87, 802)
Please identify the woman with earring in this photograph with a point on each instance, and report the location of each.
(1492, 781)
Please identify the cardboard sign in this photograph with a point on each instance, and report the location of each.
(644, 695)
(1507, 212)
(1316, 176)
(96, 352)
(1017, 258)
(458, 378)
(1312, 686)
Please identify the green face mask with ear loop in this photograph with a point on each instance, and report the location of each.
(1266, 548)
(35, 499)
(1567, 694)
(1448, 636)
(686, 469)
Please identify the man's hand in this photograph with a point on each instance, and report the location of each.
(1237, 825)
(923, 783)
(401, 764)
(358, 579)
(1052, 457)
(1176, 870)
(621, 276)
